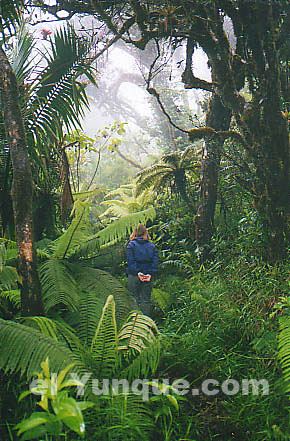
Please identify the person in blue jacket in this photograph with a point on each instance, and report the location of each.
(142, 259)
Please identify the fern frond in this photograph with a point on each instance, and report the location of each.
(149, 178)
(8, 277)
(137, 333)
(104, 343)
(13, 296)
(120, 228)
(22, 349)
(44, 325)
(59, 287)
(102, 284)
(77, 232)
(59, 331)
(284, 350)
(90, 309)
(142, 365)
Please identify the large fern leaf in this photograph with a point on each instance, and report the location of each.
(22, 349)
(13, 296)
(8, 277)
(59, 287)
(90, 309)
(139, 345)
(77, 232)
(59, 331)
(101, 284)
(104, 344)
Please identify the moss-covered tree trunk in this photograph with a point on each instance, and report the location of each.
(218, 117)
(22, 189)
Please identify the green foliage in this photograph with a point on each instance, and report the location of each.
(9, 16)
(58, 96)
(170, 173)
(139, 346)
(219, 327)
(104, 343)
(125, 417)
(162, 299)
(121, 228)
(284, 349)
(25, 348)
(58, 285)
(127, 201)
(58, 408)
(39, 335)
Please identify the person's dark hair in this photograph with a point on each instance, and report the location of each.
(140, 231)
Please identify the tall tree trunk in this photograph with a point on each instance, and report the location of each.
(218, 117)
(271, 156)
(22, 189)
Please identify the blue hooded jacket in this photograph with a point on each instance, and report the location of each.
(142, 256)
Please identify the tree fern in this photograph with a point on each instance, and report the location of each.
(170, 172)
(59, 287)
(120, 228)
(104, 344)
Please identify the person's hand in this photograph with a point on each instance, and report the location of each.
(144, 277)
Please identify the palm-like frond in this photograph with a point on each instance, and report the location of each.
(44, 325)
(59, 331)
(104, 344)
(9, 16)
(284, 350)
(170, 171)
(21, 60)
(58, 98)
(59, 287)
(126, 201)
(22, 349)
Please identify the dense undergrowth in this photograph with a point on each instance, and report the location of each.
(220, 327)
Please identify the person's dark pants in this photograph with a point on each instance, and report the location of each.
(142, 293)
